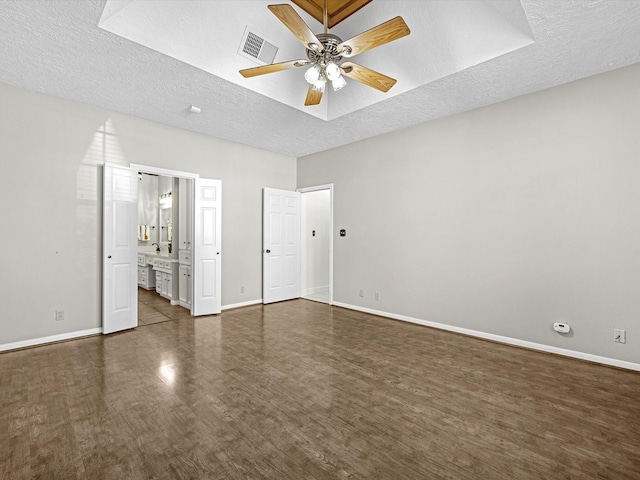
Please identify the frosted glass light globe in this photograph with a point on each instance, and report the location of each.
(312, 75)
(333, 71)
(338, 83)
(318, 85)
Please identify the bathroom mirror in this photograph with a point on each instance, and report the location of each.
(166, 204)
(166, 226)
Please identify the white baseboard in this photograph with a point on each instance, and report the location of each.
(499, 338)
(242, 304)
(53, 338)
(313, 290)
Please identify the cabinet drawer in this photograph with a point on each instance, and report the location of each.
(184, 257)
(142, 260)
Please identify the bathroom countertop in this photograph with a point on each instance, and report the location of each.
(164, 255)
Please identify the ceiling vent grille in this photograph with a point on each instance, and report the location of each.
(255, 47)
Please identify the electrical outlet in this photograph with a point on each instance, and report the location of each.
(362, 293)
(377, 295)
(59, 315)
(619, 335)
(242, 289)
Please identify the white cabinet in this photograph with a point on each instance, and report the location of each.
(185, 239)
(184, 273)
(165, 270)
(159, 282)
(184, 257)
(164, 284)
(146, 277)
(185, 213)
(167, 285)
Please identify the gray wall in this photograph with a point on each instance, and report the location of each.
(50, 188)
(500, 220)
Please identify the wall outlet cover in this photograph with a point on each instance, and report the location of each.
(619, 335)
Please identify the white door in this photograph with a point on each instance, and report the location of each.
(207, 254)
(281, 238)
(120, 248)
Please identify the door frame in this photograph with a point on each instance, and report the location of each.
(163, 171)
(177, 174)
(316, 188)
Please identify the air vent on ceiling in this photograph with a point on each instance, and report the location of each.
(255, 47)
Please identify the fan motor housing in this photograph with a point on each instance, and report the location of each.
(330, 43)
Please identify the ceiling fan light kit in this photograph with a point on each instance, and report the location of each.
(319, 74)
(325, 53)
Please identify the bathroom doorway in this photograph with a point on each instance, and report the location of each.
(183, 265)
(162, 224)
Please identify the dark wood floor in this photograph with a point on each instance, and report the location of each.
(302, 390)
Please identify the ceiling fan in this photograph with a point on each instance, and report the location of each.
(326, 53)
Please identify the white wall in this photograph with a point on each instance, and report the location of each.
(500, 220)
(50, 188)
(316, 216)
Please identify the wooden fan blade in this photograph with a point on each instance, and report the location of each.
(383, 33)
(294, 22)
(274, 67)
(313, 97)
(367, 76)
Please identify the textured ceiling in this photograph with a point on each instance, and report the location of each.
(460, 34)
(57, 48)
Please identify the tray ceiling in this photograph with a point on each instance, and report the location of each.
(458, 35)
(57, 48)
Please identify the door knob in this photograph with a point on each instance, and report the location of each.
(268, 251)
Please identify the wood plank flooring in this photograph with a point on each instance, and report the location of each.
(301, 390)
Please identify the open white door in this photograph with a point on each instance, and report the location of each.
(207, 258)
(281, 238)
(120, 245)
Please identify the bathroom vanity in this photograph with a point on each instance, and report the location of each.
(146, 275)
(157, 271)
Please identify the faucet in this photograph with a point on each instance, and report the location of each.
(157, 247)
